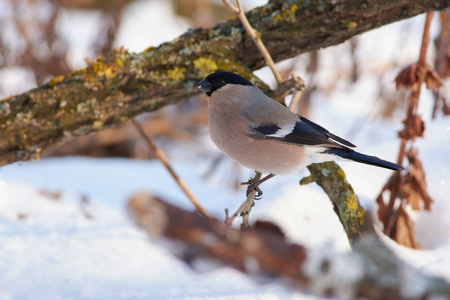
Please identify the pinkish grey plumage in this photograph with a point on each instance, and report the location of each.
(265, 156)
(264, 135)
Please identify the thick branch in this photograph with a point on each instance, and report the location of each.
(122, 85)
(371, 271)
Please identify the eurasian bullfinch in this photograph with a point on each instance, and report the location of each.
(262, 134)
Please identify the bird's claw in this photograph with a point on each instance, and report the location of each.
(255, 186)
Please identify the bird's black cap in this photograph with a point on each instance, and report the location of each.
(216, 80)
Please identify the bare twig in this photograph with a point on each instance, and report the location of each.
(246, 207)
(231, 6)
(255, 37)
(298, 91)
(159, 154)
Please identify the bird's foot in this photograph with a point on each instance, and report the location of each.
(253, 186)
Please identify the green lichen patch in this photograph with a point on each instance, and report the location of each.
(205, 66)
(106, 69)
(97, 125)
(177, 73)
(352, 24)
(55, 80)
(289, 14)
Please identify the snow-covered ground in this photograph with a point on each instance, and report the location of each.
(65, 232)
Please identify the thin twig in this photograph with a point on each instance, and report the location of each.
(426, 38)
(255, 37)
(231, 6)
(245, 208)
(159, 154)
(298, 91)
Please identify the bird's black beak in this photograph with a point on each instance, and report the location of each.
(205, 87)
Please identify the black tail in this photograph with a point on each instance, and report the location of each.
(362, 158)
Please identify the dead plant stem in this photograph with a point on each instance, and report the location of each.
(159, 154)
(255, 37)
(413, 102)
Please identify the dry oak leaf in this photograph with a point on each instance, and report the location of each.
(432, 79)
(415, 188)
(405, 233)
(409, 76)
(414, 127)
(406, 77)
(393, 187)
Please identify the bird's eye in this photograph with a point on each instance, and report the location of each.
(222, 82)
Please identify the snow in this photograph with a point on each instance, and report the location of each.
(55, 250)
(142, 25)
(341, 274)
(83, 245)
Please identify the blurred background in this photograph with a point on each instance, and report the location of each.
(40, 39)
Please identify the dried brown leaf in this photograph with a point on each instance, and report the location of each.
(447, 64)
(414, 127)
(406, 77)
(385, 211)
(22, 216)
(382, 208)
(409, 191)
(432, 79)
(416, 178)
(413, 186)
(409, 188)
(409, 76)
(53, 195)
(405, 233)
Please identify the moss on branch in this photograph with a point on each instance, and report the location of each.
(122, 85)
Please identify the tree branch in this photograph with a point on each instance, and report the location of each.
(161, 156)
(122, 85)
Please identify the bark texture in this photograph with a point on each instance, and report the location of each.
(122, 85)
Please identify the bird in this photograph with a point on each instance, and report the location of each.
(261, 134)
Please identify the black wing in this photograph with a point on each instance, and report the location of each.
(304, 132)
